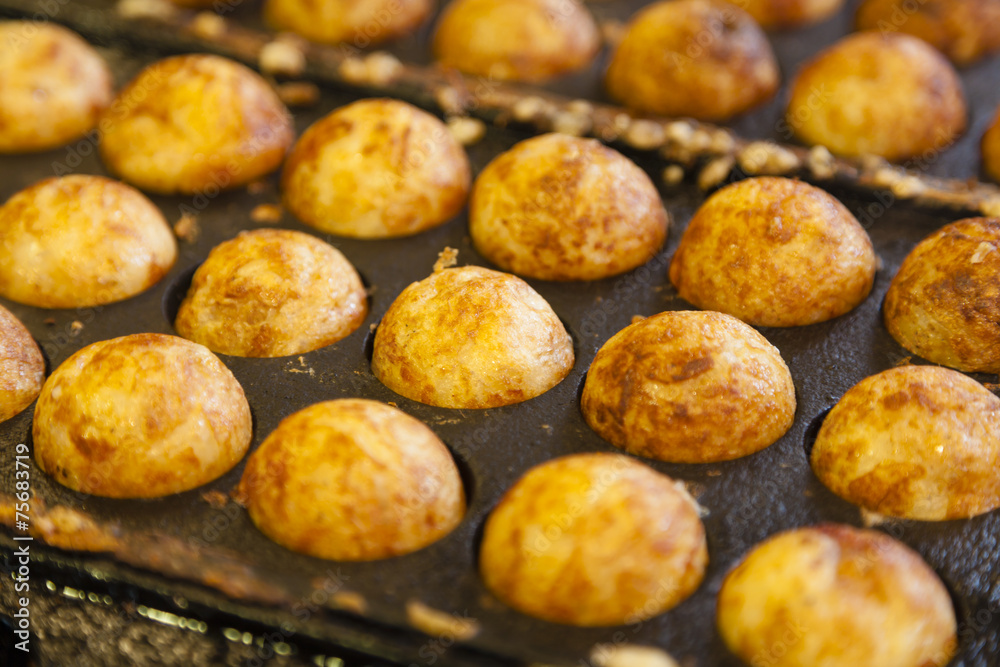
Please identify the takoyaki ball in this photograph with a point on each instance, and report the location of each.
(558, 207)
(781, 14)
(53, 89)
(706, 59)
(272, 293)
(79, 241)
(689, 387)
(376, 168)
(353, 480)
(944, 304)
(964, 30)
(360, 23)
(471, 338)
(885, 94)
(22, 367)
(917, 442)
(593, 540)
(991, 149)
(141, 416)
(519, 40)
(774, 252)
(195, 124)
(836, 596)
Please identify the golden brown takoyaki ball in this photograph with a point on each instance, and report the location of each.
(888, 94)
(558, 207)
(689, 387)
(140, 416)
(53, 89)
(195, 124)
(964, 30)
(519, 40)
(376, 169)
(991, 149)
(80, 241)
(919, 442)
(272, 293)
(780, 14)
(353, 480)
(592, 540)
(944, 304)
(360, 23)
(22, 367)
(705, 59)
(836, 596)
(471, 338)
(774, 252)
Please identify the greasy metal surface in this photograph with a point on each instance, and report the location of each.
(747, 500)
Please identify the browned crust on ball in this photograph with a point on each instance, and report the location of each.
(353, 480)
(706, 59)
(22, 367)
(991, 149)
(888, 94)
(918, 442)
(774, 252)
(944, 304)
(140, 416)
(964, 30)
(79, 241)
(195, 124)
(782, 14)
(836, 595)
(376, 168)
(471, 338)
(362, 23)
(592, 540)
(518, 40)
(272, 293)
(689, 387)
(54, 86)
(557, 207)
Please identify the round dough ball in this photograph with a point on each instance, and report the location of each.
(360, 22)
(141, 416)
(53, 89)
(884, 94)
(689, 387)
(944, 304)
(376, 168)
(991, 149)
(22, 367)
(558, 207)
(272, 293)
(836, 596)
(964, 30)
(471, 338)
(918, 442)
(516, 40)
(353, 480)
(705, 59)
(774, 252)
(781, 14)
(592, 540)
(195, 124)
(81, 241)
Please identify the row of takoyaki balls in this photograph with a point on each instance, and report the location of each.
(589, 540)
(196, 124)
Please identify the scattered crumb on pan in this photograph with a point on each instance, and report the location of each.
(630, 655)
(439, 623)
